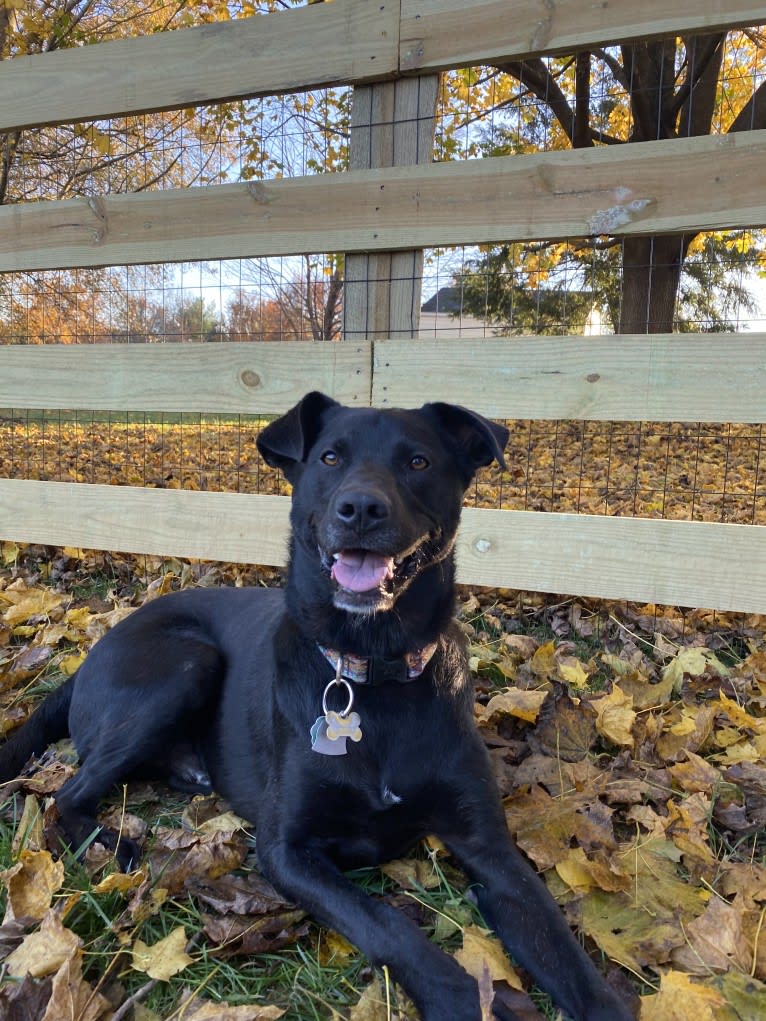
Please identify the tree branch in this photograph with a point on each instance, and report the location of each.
(538, 79)
(752, 116)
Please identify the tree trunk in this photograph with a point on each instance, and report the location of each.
(651, 271)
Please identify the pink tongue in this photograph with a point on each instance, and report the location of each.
(361, 571)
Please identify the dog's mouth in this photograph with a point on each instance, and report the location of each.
(359, 570)
(366, 580)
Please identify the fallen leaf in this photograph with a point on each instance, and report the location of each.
(581, 874)
(412, 873)
(371, 1005)
(715, 941)
(615, 717)
(244, 934)
(543, 663)
(525, 705)
(681, 998)
(31, 884)
(29, 833)
(72, 998)
(203, 1010)
(36, 602)
(693, 661)
(44, 951)
(164, 958)
(122, 882)
(480, 950)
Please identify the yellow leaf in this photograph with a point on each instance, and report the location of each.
(693, 661)
(225, 822)
(523, 704)
(680, 998)
(411, 873)
(43, 952)
(29, 835)
(335, 947)
(615, 717)
(580, 874)
(739, 717)
(371, 1005)
(9, 551)
(69, 664)
(573, 672)
(543, 663)
(31, 884)
(78, 617)
(35, 603)
(72, 997)
(164, 958)
(480, 951)
(123, 882)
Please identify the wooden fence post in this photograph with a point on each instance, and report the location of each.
(392, 124)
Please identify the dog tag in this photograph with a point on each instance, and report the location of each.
(321, 743)
(330, 732)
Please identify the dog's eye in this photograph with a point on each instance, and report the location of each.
(418, 463)
(329, 458)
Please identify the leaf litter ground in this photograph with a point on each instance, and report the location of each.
(629, 743)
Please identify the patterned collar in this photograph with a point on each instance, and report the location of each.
(361, 670)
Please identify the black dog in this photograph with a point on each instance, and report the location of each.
(336, 767)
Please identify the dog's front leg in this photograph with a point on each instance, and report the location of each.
(439, 987)
(516, 903)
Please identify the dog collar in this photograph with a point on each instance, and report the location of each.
(330, 731)
(362, 670)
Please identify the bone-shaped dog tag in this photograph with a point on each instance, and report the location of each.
(343, 726)
(321, 743)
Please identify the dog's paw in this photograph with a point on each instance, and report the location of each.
(126, 852)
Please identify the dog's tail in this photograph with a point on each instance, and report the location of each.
(48, 723)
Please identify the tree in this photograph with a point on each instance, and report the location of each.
(139, 153)
(617, 95)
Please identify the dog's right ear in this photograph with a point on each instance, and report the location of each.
(286, 441)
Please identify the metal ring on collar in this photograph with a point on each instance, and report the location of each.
(341, 682)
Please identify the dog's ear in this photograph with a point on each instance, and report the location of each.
(286, 441)
(478, 440)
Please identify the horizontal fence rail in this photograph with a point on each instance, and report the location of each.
(660, 378)
(221, 378)
(441, 34)
(709, 183)
(347, 41)
(719, 566)
(647, 378)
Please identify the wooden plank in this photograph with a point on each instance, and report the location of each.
(688, 563)
(652, 378)
(350, 41)
(258, 378)
(685, 563)
(437, 34)
(392, 124)
(165, 522)
(708, 183)
(321, 44)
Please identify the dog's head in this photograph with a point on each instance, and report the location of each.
(377, 493)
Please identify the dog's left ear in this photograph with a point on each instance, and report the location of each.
(478, 440)
(286, 441)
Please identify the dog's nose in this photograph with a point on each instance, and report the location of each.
(362, 508)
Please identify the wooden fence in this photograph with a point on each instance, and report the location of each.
(387, 213)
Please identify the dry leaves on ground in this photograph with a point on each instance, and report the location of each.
(629, 744)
